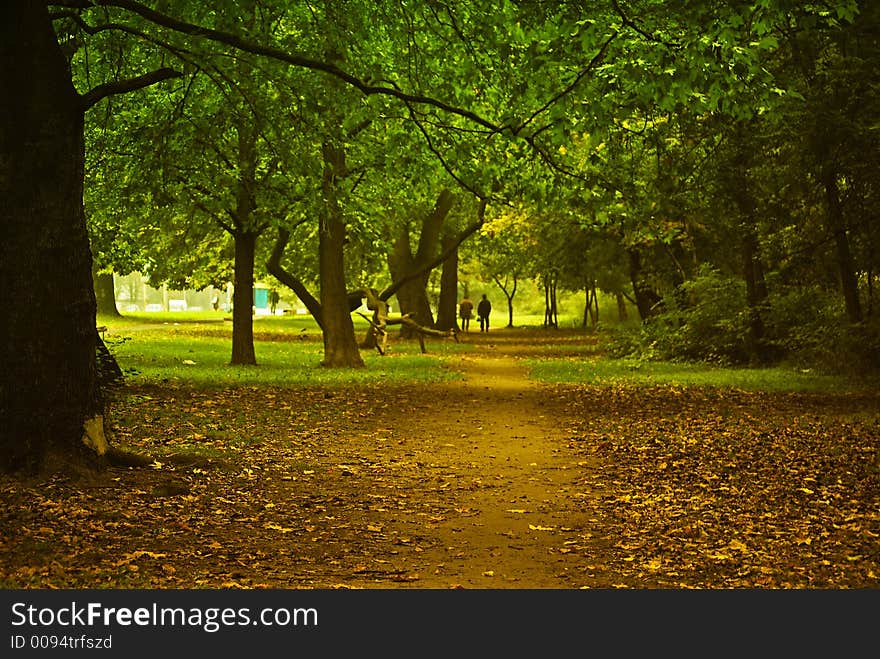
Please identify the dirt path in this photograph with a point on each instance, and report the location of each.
(497, 475)
(490, 481)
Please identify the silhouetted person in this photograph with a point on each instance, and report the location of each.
(466, 312)
(484, 308)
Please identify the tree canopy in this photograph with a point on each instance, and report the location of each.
(641, 147)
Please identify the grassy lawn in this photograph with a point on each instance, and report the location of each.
(196, 348)
(626, 371)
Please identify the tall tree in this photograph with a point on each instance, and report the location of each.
(49, 401)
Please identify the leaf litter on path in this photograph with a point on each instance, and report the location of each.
(488, 482)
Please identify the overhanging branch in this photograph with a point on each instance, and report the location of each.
(100, 92)
(291, 58)
(273, 265)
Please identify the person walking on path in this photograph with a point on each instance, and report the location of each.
(483, 311)
(465, 312)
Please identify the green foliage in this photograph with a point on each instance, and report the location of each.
(813, 331)
(705, 319)
(672, 130)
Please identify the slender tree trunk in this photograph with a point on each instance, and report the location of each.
(243, 299)
(340, 345)
(848, 281)
(273, 265)
(551, 317)
(752, 271)
(756, 295)
(48, 392)
(447, 305)
(509, 294)
(587, 308)
(245, 237)
(591, 305)
(105, 294)
(510, 302)
(622, 313)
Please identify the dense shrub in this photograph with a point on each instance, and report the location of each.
(707, 319)
(813, 332)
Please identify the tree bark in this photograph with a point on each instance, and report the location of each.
(509, 294)
(48, 393)
(274, 267)
(551, 317)
(340, 345)
(622, 313)
(647, 298)
(447, 305)
(105, 294)
(413, 296)
(245, 235)
(752, 271)
(591, 304)
(243, 352)
(756, 295)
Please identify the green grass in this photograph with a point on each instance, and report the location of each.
(626, 371)
(162, 348)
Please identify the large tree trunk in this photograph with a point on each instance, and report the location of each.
(105, 294)
(243, 299)
(48, 392)
(447, 305)
(340, 345)
(413, 295)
